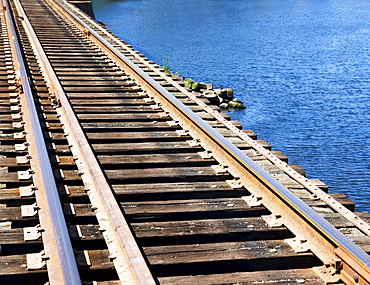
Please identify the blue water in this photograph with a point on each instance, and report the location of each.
(300, 66)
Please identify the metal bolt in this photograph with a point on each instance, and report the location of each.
(355, 277)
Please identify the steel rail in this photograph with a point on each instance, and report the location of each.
(324, 238)
(125, 253)
(59, 255)
(317, 193)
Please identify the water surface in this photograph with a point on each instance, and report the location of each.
(300, 66)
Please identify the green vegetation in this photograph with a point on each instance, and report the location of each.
(190, 83)
(167, 69)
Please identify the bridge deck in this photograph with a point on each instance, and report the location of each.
(193, 219)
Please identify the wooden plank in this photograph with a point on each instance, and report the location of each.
(142, 136)
(10, 177)
(168, 191)
(278, 262)
(157, 174)
(125, 136)
(8, 127)
(344, 200)
(185, 159)
(121, 109)
(67, 75)
(99, 259)
(185, 173)
(283, 277)
(105, 89)
(17, 265)
(116, 83)
(9, 194)
(12, 236)
(6, 118)
(243, 250)
(5, 109)
(145, 147)
(225, 207)
(226, 257)
(8, 161)
(149, 126)
(79, 69)
(185, 187)
(337, 220)
(128, 94)
(249, 228)
(10, 214)
(88, 233)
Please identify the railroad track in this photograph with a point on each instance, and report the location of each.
(112, 172)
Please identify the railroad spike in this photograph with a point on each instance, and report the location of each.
(207, 154)
(112, 257)
(327, 274)
(235, 183)
(194, 142)
(220, 169)
(253, 200)
(273, 220)
(298, 245)
(182, 133)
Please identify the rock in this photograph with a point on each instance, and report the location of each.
(229, 93)
(237, 101)
(212, 97)
(218, 92)
(209, 86)
(205, 86)
(236, 104)
(220, 97)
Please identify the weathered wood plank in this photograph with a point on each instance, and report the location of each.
(344, 200)
(186, 159)
(188, 173)
(244, 250)
(145, 147)
(125, 136)
(156, 174)
(168, 191)
(186, 206)
(248, 228)
(13, 270)
(10, 177)
(226, 257)
(284, 277)
(136, 136)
